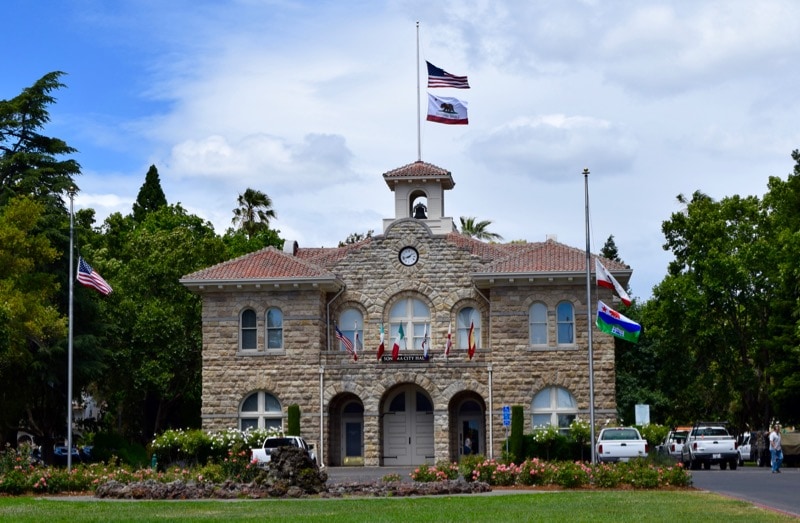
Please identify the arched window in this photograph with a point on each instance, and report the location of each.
(466, 317)
(537, 316)
(415, 317)
(566, 323)
(260, 410)
(248, 330)
(351, 322)
(554, 406)
(274, 329)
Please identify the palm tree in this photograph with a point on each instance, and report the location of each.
(474, 229)
(254, 211)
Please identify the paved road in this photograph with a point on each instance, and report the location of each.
(756, 485)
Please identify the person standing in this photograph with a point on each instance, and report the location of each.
(775, 449)
(467, 445)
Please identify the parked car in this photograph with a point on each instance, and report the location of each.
(709, 443)
(264, 454)
(673, 443)
(747, 447)
(620, 444)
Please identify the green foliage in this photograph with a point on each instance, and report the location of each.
(654, 434)
(356, 237)
(254, 211)
(516, 442)
(111, 446)
(151, 197)
(468, 463)
(29, 164)
(478, 229)
(640, 474)
(293, 422)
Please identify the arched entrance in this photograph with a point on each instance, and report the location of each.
(407, 413)
(346, 429)
(467, 425)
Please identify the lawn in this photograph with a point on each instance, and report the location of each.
(572, 506)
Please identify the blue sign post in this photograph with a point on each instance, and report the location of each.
(506, 422)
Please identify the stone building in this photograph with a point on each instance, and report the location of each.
(270, 341)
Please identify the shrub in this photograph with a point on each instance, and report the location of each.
(516, 442)
(571, 475)
(606, 475)
(484, 471)
(391, 478)
(450, 470)
(293, 422)
(468, 464)
(533, 472)
(427, 474)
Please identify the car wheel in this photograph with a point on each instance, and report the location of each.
(694, 464)
(723, 465)
(707, 465)
(733, 465)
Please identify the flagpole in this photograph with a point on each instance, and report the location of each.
(589, 315)
(71, 192)
(419, 125)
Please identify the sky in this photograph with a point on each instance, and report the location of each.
(312, 101)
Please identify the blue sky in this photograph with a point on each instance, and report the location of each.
(312, 101)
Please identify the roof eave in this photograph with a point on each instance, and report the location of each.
(264, 284)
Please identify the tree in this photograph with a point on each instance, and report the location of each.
(610, 251)
(254, 211)
(156, 337)
(28, 159)
(151, 196)
(32, 326)
(478, 230)
(712, 311)
(356, 237)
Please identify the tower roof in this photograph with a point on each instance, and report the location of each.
(419, 171)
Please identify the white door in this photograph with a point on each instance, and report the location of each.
(408, 428)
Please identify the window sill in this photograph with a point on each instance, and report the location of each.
(252, 353)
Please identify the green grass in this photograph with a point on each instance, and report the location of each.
(571, 506)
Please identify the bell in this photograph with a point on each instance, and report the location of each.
(419, 211)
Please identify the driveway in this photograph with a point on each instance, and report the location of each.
(756, 485)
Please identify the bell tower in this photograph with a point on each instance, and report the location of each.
(419, 193)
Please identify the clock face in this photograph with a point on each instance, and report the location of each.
(408, 256)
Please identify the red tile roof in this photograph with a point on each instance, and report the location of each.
(311, 264)
(266, 264)
(418, 170)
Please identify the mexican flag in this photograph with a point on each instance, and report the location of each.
(396, 347)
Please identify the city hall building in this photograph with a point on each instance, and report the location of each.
(270, 341)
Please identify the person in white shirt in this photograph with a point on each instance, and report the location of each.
(775, 448)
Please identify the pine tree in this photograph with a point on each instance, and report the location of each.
(151, 196)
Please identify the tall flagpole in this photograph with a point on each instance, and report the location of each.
(419, 125)
(589, 315)
(71, 192)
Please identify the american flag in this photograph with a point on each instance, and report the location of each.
(346, 341)
(90, 278)
(441, 78)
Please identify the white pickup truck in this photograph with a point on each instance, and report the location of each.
(620, 444)
(263, 455)
(709, 443)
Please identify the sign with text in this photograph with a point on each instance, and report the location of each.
(405, 357)
(506, 415)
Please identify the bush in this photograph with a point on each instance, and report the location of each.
(516, 443)
(450, 470)
(427, 474)
(468, 464)
(110, 446)
(293, 422)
